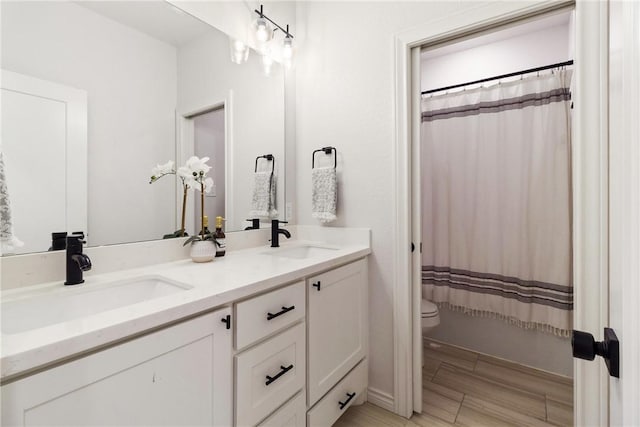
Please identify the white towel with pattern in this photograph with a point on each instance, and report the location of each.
(324, 193)
(8, 242)
(263, 202)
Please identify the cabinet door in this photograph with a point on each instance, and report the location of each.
(181, 375)
(337, 326)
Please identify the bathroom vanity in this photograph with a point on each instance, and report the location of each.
(262, 337)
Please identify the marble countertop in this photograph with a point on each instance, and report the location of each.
(236, 276)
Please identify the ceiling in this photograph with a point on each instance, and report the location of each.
(157, 19)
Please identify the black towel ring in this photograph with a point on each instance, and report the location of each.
(327, 151)
(269, 158)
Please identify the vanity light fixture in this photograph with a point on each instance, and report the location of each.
(264, 33)
(239, 51)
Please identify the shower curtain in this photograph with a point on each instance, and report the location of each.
(497, 202)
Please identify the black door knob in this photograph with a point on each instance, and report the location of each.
(587, 348)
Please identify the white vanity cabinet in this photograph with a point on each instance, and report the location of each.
(180, 375)
(337, 321)
(294, 355)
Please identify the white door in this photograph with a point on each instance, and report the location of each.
(624, 208)
(44, 142)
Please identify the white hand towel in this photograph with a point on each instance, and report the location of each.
(8, 242)
(324, 193)
(263, 202)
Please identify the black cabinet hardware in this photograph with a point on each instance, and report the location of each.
(586, 347)
(346, 402)
(316, 285)
(281, 373)
(280, 313)
(227, 320)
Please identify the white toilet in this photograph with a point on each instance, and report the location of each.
(430, 319)
(430, 316)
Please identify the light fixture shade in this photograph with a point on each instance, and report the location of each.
(262, 32)
(239, 51)
(287, 51)
(287, 48)
(267, 63)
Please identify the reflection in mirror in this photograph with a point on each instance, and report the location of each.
(94, 94)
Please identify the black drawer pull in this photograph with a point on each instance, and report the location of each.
(281, 373)
(316, 285)
(280, 313)
(227, 321)
(346, 402)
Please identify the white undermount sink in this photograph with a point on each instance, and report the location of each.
(78, 301)
(303, 251)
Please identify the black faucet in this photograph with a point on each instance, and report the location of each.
(77, 262)
(276, 231)
(58, 241)
(255, 224)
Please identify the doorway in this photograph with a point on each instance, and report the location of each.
(589, 177)
(207, 132)
(209, 141)
(494, 195)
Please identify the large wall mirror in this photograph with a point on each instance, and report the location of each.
(95, 94)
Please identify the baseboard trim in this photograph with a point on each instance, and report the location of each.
(381, 399)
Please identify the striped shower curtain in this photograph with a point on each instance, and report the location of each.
(497, 202)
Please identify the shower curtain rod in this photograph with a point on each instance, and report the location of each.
(503, 76)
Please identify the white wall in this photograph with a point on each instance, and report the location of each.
(130, 79)
(512, 53)
(256, 109)
(345, 95)
(504, 54)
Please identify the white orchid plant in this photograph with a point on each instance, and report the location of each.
(193, 176)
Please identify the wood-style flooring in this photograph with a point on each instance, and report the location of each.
(463, 388)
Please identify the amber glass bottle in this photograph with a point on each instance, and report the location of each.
(221, 247)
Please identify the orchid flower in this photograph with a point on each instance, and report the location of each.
(194, 173)
(193, 176)
(161, 170)
(198, 166)
(208, 185)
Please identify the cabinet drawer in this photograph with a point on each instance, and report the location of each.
(269, 374)
(337, 326)
(268, 313)
(338, 400)
(291, 414)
